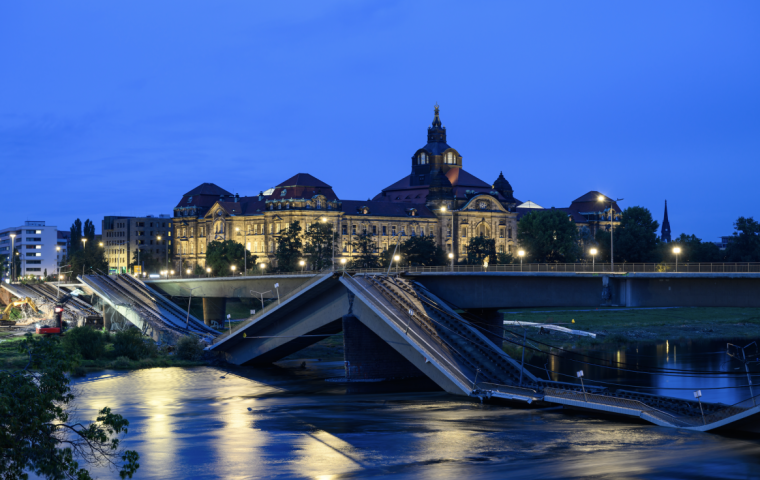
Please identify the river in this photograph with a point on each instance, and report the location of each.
(288, 422)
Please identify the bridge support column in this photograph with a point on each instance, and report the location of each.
(214, 310)
(106, 317)
(368, 357)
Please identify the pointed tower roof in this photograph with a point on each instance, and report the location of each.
(665, 231)
(437, 132)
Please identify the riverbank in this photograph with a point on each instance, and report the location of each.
(641, 325)
(11, 358)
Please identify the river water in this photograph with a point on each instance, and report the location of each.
(288, 422)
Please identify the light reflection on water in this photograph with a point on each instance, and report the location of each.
(189, 423)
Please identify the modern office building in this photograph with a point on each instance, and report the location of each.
(122, 236)
(35, 244)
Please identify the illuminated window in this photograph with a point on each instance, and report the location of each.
(423, 158)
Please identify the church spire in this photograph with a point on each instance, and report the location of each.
(436, 132)
(665, 232)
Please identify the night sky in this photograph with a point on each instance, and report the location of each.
(119, 108)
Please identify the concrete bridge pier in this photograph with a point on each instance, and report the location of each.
(368, 357)
(214, 310)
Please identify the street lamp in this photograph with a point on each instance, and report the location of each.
(172, 273)
(451, 257)
(343, 262)
(13, 259)
(593, 253)
(232, 267)
(166, 248)
(604, 199)
(443, 210)
(188, 271)
(521, 254)
(302, 263)
(208, 271)
(676, 250)
(84, 240)
(396, 258)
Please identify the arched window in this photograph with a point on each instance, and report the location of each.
(450, 159)
(423, 158)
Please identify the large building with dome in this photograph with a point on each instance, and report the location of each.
(438, 198)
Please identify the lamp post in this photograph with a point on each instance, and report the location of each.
(57, 262)
(84, 240)
(396, 258)
(443, 210)
(188, 271)
(302, 264)
(521, 254)
(343, 262)
(451, 257)
(245, 251)
(232, 267)
(208, 271)
(593, 253)
(609, 201)
(171, 272)
(166, 248)
(677, 250)
(12, 255)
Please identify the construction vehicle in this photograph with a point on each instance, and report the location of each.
(58, 326)
(18, 303)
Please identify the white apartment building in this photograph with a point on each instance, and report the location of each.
(36, 246)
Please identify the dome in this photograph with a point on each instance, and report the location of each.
(501, 184)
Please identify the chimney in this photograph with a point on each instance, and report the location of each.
(261, 195)
(237, 198)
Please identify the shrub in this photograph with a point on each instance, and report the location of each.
(121, 362)
(129, 343)
(84, 341)
(189, 348)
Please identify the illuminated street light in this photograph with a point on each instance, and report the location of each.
(451, 257)
(593, 253)
(302, 263)
(232, 267)
(188, 271)
(604, 199)
(208, 271)
(521, 254)
(343, 262)
(676, 250)
(396, 258)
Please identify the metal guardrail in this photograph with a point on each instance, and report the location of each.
(581, 268)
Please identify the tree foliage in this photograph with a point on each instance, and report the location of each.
(479, 248)
(289, 245)
(76, 237)
(423, 251)
(320, 244)
(692, 250)
(366, 249)
(635, 238)
(90, 260)
(548, 236)
(38, 433)
(146, 260)
(744, 245)
(221, 255)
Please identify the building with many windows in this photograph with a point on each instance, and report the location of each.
(123, 236)
(35, 244)
(438, 198)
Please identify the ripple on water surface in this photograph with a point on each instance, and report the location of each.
(190, 423)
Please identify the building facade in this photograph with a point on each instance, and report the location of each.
(36, 246)
(438, 198)
(123, 236)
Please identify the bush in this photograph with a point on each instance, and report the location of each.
(129, 343)
(84, 341)
(121, 362)
(189, 348)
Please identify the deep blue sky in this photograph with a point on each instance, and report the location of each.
(118, 108)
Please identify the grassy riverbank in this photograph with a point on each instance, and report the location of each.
(107, 358)
(631, 325)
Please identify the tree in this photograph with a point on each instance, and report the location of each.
(90, 261)
(504, 259)
(221, 255)
(548, 236)
(692, 250)
(38, 434)
(147, 261)
(76, 237)
(481, 248)
(586, 241)
(319, 244)
(89, 232)
(289, 246)
(423, 251)
(635, 238)
(198, 270)
(366, 247)
(744, 245)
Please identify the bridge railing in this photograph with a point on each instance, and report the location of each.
(743, 267)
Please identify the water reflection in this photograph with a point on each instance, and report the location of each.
(189, 423)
